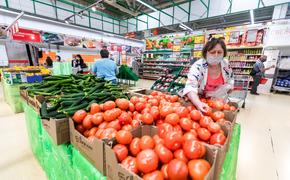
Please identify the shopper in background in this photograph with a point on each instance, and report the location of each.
(79, 63)
(48, 62)
(210, 74)
(258, 72)
(58, 58)
(105, 68)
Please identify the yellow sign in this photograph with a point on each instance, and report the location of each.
(176, 48)
(217, 35)
(199, 39)
(197, 54)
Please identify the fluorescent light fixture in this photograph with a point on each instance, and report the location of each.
(148, 5)
(66, 21)
(252, 16)
(186, 27)
(94, 8)
(182, 27)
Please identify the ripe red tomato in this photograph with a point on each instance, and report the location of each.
(182, 111)
(159, 122)
(173, 140)
(93, 131)
(174, 98)
(99, 133)
(204, 121)
(172, 119)
(145, 110)
(221, 121)
(125, 118)
(127, 127)
(97, 118)
(103, 125)
(134, 100)
(95, 108)
(192, 149)
(218, 138)
(147, 118)
(86, 133)
(108, 133)
(140, 106)
(164, 128)
(195, 125)
(203, 134)
(79, 116)
(207, 112)
(190, 108)
(195, 115)
(177, 169)
(122, 103)
(203, 151)
(121, 152)
(164, 171)
(214, 127)
(198, 168)
(147, 161)
(233, 108)
(80, 128)
(218, 115)
(164, 154)
(146, 142)
(130, 163)
(178, 129)
(165, 110)
(110, 115)
(109, 105)
(131, 107)
(87, 122)
(135, 146)
(155, 113)
(179, 154)
(189, 136)
(186, 124)
(155, 175)
(219, 105)
(226, 107)
(158, 140)
(153, 102)
(135, 123)
(154, 93)
(124, 137)
(114, 124)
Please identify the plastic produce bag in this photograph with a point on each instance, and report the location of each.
(229, 168)
(220, 92)
(62, 68)
(11, 95)
(126, 73)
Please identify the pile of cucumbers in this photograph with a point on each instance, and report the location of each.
(68, 93)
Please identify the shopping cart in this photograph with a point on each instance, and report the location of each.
(239, 93)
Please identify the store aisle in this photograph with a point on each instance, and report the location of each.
(17, 161)
(265, 138)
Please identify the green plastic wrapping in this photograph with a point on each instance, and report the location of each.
(230, 163)
(62, 68)
(84, 170)
(126, 73)
(12, 96)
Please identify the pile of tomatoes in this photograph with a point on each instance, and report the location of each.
(176, 151)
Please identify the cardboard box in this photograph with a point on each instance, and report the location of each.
(92, 150)
(58, 129)
(31, 101)
(116, 171)
(24, 94)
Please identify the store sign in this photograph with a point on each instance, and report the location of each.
(27, 36)
(279, 35)
(199, 39)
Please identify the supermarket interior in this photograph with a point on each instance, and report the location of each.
(145, 89)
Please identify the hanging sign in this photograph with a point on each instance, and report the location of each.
(234, 37)
(27, 35)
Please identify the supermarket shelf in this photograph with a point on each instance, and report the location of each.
(246, 47)
(159, 69)
(241, 74)
(283, 69)
(279, 88)
(253, 54)
(146, 64)
(169, 51)
(236, 67)
(150, 61)
(150, 77)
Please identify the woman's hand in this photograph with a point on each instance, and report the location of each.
(203, 107)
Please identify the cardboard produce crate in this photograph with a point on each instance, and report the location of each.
(117, 171)
(58, 129)
(92, 150)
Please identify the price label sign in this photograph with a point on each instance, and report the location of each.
(197, 54)
(199, 39)
(176, 48)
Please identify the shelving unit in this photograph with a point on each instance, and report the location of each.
(281, 81)
(242, 60)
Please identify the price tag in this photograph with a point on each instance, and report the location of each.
(217, 35)
(176, 48)
(197, 54)
(199, 39)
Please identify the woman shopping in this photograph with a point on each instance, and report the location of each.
(210, 75)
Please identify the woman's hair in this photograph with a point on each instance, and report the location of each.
(211, 44)
(58, 57)
(79, 56)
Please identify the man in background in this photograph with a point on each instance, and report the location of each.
(259, 72)
(105, 68)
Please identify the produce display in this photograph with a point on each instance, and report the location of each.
(181, 80)
(180, 142)
(66, 94)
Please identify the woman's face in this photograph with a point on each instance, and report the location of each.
(216, 51)
(78, 58)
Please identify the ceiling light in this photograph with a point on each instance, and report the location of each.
(147, 5)
(252, 16)
(94, 8)
(182, 27)
(185, 26)
(66, 21)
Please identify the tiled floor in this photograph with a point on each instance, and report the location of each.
(263, 153)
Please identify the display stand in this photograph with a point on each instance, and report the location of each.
(12, 96)
(65, 162)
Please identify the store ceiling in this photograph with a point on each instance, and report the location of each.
(125, 9)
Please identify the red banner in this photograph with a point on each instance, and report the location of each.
(27, 36)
